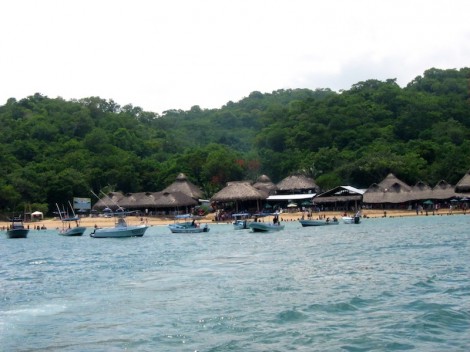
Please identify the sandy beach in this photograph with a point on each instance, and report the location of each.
(53, 223)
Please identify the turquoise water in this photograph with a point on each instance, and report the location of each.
(384, 285)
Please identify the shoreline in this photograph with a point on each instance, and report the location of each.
(54, 223)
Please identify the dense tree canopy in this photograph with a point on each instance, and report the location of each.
(52, 149)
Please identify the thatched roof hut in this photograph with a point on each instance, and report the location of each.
(111, 201)
(264, 183)
(390, 190)
(173, 200)
(442, 190)
(238, 191)
(128, 201)
(463, 186)
(421, 191)
(183, 185)
(145, 200)
(297, 184)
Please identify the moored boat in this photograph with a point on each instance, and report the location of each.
(306, 223)
(351, 220)
(256, 226)
(72, 231)
(17, 229)
(187, 226)
(120, 230)
(241, 221)
(265, 227)
(356, 219)
(68, 230)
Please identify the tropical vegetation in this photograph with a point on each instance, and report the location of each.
(53, 149)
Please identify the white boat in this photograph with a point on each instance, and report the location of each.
(120, 230)
(241, 221)
(356, 219)
(17, 229)
(187, 226)
(67, 229)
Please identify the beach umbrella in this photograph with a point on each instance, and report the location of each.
(292, 205)
(428, 202)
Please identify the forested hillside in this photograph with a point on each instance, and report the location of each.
(53, 149)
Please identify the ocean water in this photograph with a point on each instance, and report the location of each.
(390, 284)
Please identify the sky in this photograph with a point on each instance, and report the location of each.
(175, 54)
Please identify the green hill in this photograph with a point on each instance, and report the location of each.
(53, 149)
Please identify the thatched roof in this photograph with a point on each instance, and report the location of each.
(145, 200)
(297, 183)
(390, 190)
(183, 185)
(421, 191)
(263, 183)
(463, 186)
(173, 200)
(443, 190)
(392, 182)
(109, 201)
(238, 191)
(128, 201)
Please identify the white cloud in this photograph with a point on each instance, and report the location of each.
(174, 54)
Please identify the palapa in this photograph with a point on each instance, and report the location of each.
(145, 200)
(183, 185)
(128, 201)
(463, 186)
(421, 191)
(296, 183)
(263, 183)
(443, 190)
(173, 200)
(238, 191)
(390, 190)
(111, 201)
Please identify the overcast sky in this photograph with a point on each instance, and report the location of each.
(174, 54)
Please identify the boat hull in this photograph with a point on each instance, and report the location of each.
(240, 225)
(119, 232)
(264, 227)
(306, 223)
(17, 233)
(175, 228)
(75, 231)
(351, 220)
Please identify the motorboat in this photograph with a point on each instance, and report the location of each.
(120, 230)
(306, 223)
(67, 229)
(356, 219)
(187, 226)
(241, 221)
(265, 226)
(275, 225)
(71, 231)
(351, 219)
(17, 229)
